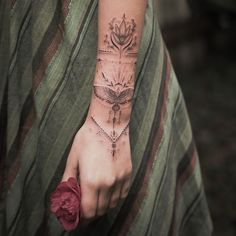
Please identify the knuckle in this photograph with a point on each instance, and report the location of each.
(121, 175)
(102, 182)
(109, 182)
(124, 174)
(91, 182)
(129, 169)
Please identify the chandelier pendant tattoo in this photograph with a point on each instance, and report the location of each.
(113, 137)
(115, 72)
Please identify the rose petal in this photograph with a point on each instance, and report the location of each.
(62, 187)
(65, 203)
(55, 206)
(69, 225)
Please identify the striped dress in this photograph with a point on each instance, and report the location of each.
(47, 64)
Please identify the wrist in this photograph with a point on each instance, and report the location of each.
(113, 89)
(109, 115)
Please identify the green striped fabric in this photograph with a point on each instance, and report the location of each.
(48, 51)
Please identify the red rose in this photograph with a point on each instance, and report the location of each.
(65, 203)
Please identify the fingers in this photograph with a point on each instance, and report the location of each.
(71, 169)
(103, 201)
(115, 196)
(100, 191)
(89, 201)
(97, 201)
(95, 195)
(120, 191)
(125, 188)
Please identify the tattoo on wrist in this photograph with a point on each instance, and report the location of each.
(115, 73)
(113, 137)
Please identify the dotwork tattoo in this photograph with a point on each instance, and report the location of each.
(115, 73)
(121, 37)
(113, 136)
(115, 85)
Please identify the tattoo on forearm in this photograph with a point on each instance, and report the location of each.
(115, 74)
(121, 37)
(115, 87)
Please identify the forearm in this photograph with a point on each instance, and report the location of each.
(101, 150)
(120, 25)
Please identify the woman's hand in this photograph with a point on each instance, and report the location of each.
(101, 148)
(104, 175)
(101, 151)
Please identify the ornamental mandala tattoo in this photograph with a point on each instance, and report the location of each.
(121, 37)
(113, 137)
(114, 81)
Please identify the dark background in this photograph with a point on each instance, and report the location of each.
(201, 38)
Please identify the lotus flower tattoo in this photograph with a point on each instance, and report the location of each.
(122, 37)
(115, 75)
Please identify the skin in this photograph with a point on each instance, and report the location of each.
(100, 153)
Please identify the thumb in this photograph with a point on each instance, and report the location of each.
(71, 169)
